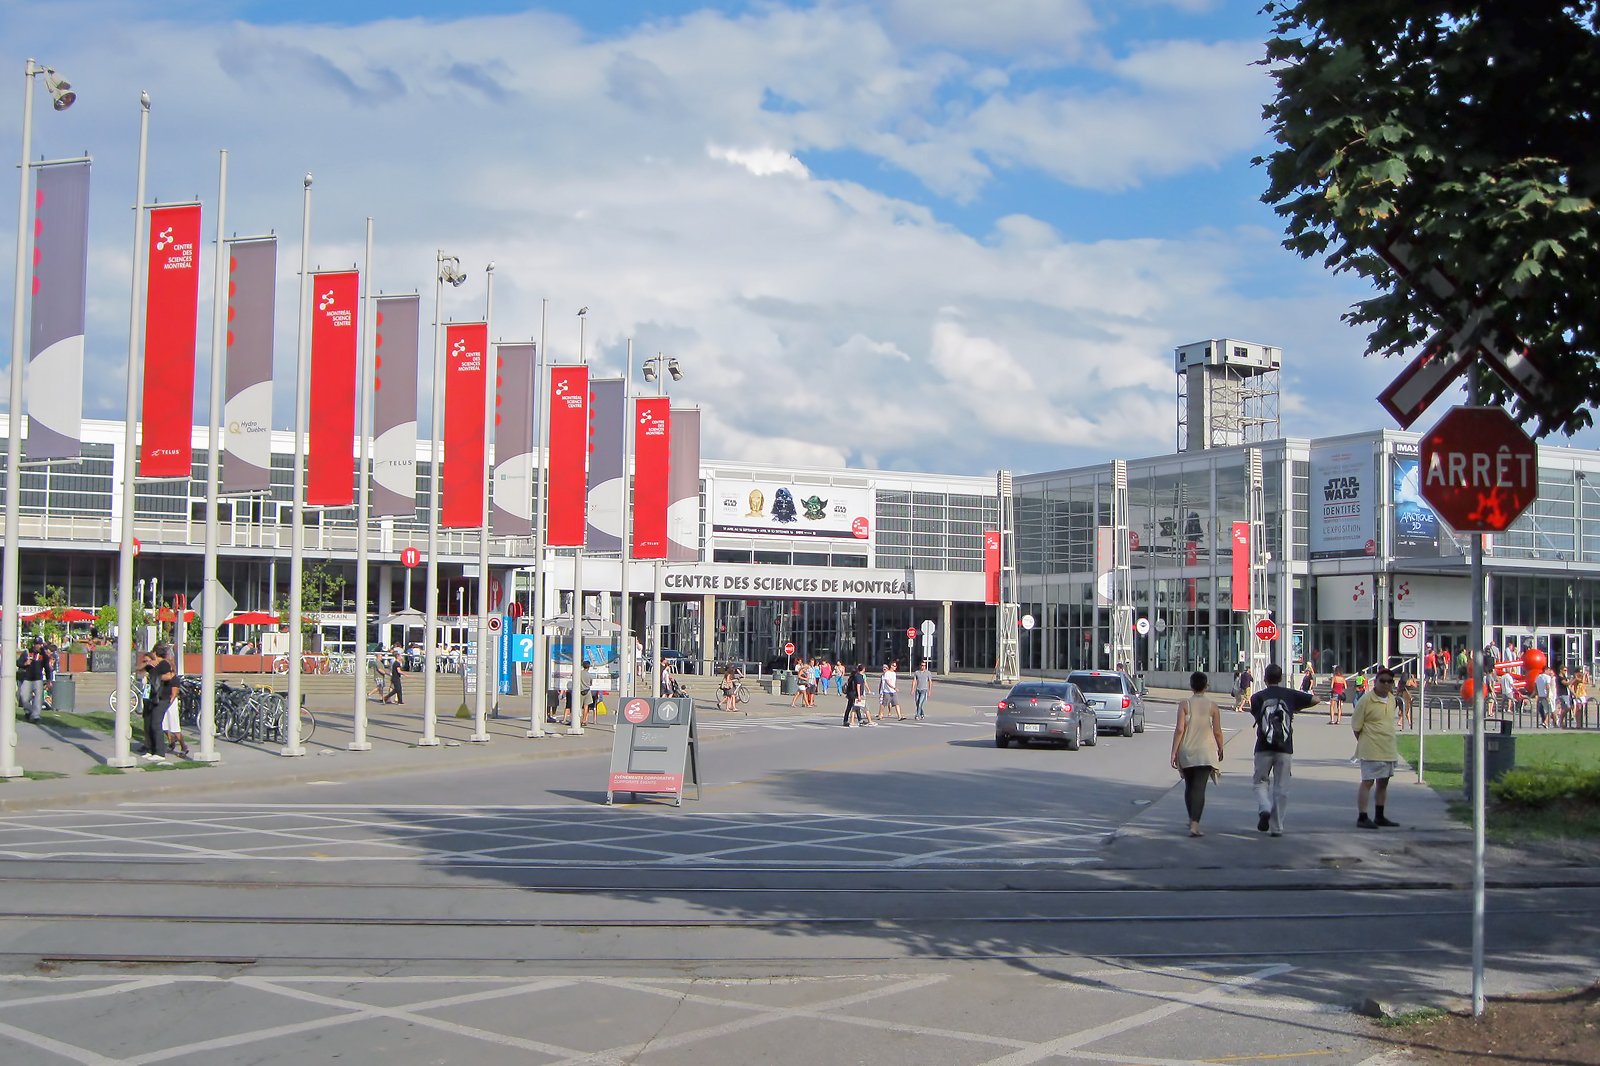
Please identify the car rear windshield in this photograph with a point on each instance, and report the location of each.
(1038, 692)
(1098, 682)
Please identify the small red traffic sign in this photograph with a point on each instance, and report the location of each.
(1266, 629)
(788, 649)
(1479, 470)
(911, 632)
(410, 557)
(494, 623)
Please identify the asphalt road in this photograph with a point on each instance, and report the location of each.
(901, 893)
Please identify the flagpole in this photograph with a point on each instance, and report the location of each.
(627, 662)
(359, 741)
(541, 385)
(210, 601)
(297, 535)
(491, 372)
(122, 753)
(443, 265)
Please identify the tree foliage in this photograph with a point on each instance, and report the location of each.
(320, 589)
(1469, 128)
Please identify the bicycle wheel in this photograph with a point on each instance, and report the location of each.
(280, 665)
(742, 693)
(308, 725)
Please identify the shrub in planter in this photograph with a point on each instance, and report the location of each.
(1533, 788)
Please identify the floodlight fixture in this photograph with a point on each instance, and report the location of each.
(61, 94)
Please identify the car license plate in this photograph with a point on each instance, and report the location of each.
(1032, 728)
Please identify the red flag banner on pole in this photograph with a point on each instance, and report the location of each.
(569, 456)
(330, 444)
(991, 567)
(171, 310)
(1241, 566)
(60, 287)
(466, 346)
(652, 449)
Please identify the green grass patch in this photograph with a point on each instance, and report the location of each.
(103, 770)
(36, 775)
(1551, 795)
(181, 764)
(89, 721)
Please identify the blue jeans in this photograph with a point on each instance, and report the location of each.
(921, 696)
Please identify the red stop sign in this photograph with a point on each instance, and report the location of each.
(410, 557)
(1478, 469)
(911, 632)
(1266, 629)
(788, 649)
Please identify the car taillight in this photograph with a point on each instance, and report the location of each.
(1126, 703)
(1058, 708)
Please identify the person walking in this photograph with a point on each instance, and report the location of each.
(157, 695)
(1273, 709)
(855, 697)
(921, 689)
(889, 692)
(1199, 731)
(1243, 683)
(1374, 725)
(1543, 689)
(1336, 687)
(30, 679)
(396, 671)
(728, 698)
(1308, 679)
(802, 684)
(172, 722)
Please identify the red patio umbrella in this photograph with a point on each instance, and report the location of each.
(252, 618)
(59, 614)
(167, 614)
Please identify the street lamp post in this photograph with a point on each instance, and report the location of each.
(491, 373)
(575, 690)
(538, 708)
(63, 96)
(658, 368)
(448, 270)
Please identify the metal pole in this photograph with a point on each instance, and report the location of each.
(1420, 710)
(536, 709)
(358, 740)
(1478, 783)
(122, 754)
(209, 596)
(491, 373)
(626, 660)
(10, 623)
(297, 535)
(575, 722)
(430, 667)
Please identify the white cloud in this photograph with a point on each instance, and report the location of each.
(762, 162)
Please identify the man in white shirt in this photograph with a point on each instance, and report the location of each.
(1544, 690)
(1508, 694)
(888, 692)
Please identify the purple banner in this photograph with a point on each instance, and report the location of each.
(394, 408)
(247, 407)
(683, 487)
(55, 342)
(511, 514)
(606, 423)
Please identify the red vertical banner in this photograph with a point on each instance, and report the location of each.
(1241, 566)
(330, 442)
(171, 309)
(569, 456)
(466, 376)
(652, 449)
(991, 567)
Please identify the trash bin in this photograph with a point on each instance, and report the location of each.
(791, 684)
(64, 694)
(1499, 754)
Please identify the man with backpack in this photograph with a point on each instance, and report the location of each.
(1273, 709)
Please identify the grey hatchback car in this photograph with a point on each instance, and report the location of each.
(1044, 710)
(1117, 703)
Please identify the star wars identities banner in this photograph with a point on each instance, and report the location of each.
(512, 515)
(1343, 501)
(330, 447)
(569, 456)
(247, 406)
(394, 406)
(652, 449)
(466, 348)
(783, 509)
(172, 295)
(55, 339)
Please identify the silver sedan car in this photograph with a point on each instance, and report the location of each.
(1044, 710)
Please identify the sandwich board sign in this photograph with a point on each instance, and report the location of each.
(656, 749)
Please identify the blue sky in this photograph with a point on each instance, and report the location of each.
(911, 234)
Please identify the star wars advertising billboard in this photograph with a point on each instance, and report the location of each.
(780, 509)
(1342, 502)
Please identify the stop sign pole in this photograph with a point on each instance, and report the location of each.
(1480, 472)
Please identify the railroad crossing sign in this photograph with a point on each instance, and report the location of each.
(1478, 469)
(1266, 629)
(1449, 353)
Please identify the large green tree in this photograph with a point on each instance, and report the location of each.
(1469, 128)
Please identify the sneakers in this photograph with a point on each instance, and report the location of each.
(1277, 833)
(1386, 823)
(1263, 822)
(1365, 823)
(151, 756)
